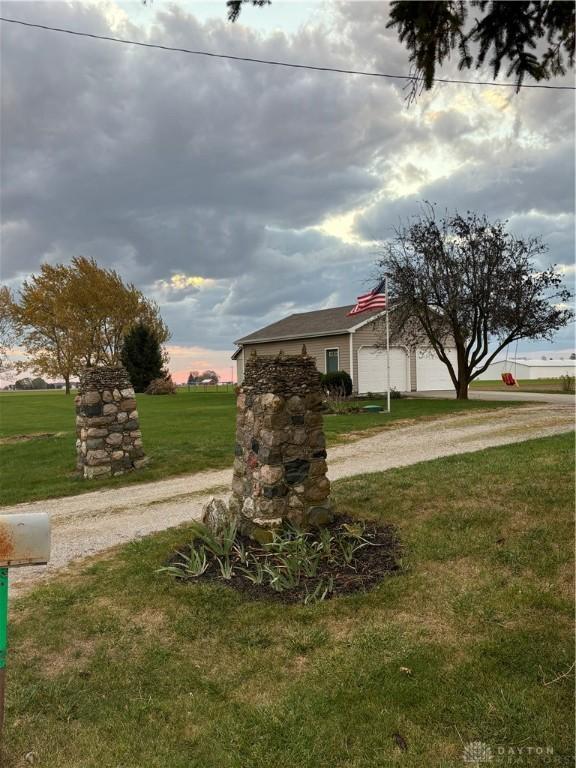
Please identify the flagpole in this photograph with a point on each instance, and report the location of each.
(387, 349)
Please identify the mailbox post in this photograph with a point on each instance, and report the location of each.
(24, 540)
(3, 637)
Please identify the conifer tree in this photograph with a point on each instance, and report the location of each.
(142, 357)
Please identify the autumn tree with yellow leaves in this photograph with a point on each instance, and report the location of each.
(77, 315)
(8, 333)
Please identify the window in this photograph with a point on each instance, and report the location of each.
(332, 360)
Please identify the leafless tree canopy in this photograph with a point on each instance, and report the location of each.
(472, 285)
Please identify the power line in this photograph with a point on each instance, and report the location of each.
(277, 63)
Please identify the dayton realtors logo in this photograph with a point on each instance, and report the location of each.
(477, 752)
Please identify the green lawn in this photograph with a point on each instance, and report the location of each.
(526, 385)
(190, 432)
(117, 665)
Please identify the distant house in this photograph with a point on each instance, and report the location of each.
(339, 342)
(529, 369)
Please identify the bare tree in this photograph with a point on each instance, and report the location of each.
(465, 282)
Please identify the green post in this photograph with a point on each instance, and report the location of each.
(3, 615)
(3, 640)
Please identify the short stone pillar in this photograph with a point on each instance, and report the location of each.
(109, 441)
(280, 464)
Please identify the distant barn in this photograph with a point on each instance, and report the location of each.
(529, 369)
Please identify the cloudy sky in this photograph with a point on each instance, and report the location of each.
(235, 193)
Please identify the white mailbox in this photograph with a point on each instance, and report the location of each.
(24, 539)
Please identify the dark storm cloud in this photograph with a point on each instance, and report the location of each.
(182, 159)
(161, 164)
(290, 273)
(511, 186)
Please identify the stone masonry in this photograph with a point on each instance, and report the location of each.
(280, 464)
(109, 441)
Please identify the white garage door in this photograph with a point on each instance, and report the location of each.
(372, 370)
(431, 373)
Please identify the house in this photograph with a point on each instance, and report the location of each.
(529, 369)
(353, 344)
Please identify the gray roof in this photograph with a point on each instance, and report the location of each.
(322, 322)
(537, 363)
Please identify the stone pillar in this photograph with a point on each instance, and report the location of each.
(280, 464)
(109, 441)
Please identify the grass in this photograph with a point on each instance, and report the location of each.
(545, 386)
(116, 665)
(190, 432)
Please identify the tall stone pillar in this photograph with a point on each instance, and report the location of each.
(280, 465)
(109, 440)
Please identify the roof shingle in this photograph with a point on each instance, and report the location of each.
(318, 323)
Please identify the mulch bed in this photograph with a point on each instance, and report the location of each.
(371, 565)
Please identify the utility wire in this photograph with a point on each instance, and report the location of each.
(277, 63)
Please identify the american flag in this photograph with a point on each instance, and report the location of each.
(376, 299)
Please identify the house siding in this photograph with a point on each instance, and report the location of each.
(240, 367)
(368, 335)
(371, 334)
(315, 348)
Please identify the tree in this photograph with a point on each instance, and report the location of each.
(507, 32)
(194, 377)
(142, 357)
(103, 309)
(235, 6)
(8, 334)
(572, 356)
(50, 340)
(209, 374)
(25, 383)
(76, 316)
(465, 282)
(28, 383)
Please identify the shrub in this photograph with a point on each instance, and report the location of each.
(394, 394)
(161, 387)
(568, 383)
(340, 404)
(338, 382)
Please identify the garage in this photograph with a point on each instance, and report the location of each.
(431, 373)
(340, 340)
(372, 375)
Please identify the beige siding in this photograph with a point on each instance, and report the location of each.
(316, 348)
(240, 367)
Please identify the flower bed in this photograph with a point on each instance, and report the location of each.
(294, 565)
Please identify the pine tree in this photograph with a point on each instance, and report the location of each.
(142, 357)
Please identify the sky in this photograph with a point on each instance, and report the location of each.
(235, 193)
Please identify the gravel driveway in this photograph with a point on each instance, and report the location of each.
(92, 522)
